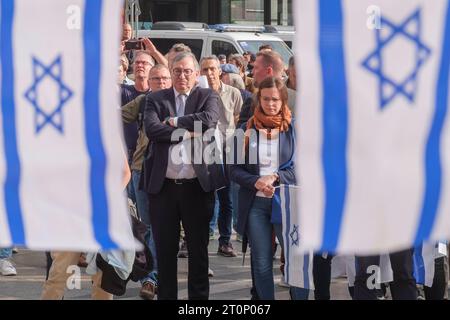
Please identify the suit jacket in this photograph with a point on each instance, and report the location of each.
(201, 105)
(247, 174)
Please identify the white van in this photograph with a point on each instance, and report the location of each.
(286, 33)
(205, 42)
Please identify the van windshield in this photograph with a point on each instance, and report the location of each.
(278, 46)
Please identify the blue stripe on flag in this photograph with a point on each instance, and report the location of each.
(12, 181)
(419, 265)
(92, 78)
(433, 164)
(306, 271)
(334, 119)
(287, 242)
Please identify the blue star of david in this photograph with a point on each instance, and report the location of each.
(388, 88)
(294, 235)
(54, 117)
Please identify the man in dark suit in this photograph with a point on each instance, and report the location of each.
(180, 190)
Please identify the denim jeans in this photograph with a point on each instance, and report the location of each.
(225, 215)
(213, 222)
(143, 211)
(259, 230)
(5, 253)
(130, 190)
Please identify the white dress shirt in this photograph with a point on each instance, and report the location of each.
(268, 155)
(179, 166)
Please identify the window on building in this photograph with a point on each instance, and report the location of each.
(249, 12)
(223, 47)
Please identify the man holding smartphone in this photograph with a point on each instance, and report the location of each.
(143, 62)
(146, 45)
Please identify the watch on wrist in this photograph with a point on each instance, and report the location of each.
(277, 177)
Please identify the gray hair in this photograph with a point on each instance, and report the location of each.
(184, 55)
(142, 52)
(180, 47)
(212, 57)
(159, 66)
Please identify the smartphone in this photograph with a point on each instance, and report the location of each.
(133, 45)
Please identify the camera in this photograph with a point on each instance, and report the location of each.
(133, 45)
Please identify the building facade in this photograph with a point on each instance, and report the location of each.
(251, 12)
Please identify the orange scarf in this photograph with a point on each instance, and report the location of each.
(260, 120)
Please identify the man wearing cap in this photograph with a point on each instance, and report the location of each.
(231, 76)
(241, 63)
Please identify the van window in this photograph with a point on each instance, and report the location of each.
(164, 45)
(222, 47)
(278, 46)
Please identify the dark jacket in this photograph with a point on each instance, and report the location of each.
(246, 111)
(247, 174)
(201, 105)
(130, 130)
(143, 263)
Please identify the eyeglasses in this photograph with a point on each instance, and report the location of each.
(160, 78)
(268, 99)
(145, 63)
(187, 72)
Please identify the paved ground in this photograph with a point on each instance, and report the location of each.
(231, 281)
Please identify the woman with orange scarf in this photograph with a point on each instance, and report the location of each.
(269, 150)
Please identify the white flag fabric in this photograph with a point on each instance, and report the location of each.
(374, 126)
(60, 133)
(424, 256)
(424, 261)
(345, 265)
(298, 268)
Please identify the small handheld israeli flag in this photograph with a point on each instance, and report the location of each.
(62, 159)
(424, 261)
(298, 269)
(374, 124)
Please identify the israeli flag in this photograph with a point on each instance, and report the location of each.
(298, 268)
(60, 135)
(374, 129)
(424, 261)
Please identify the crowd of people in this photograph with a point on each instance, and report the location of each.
(168, 101)
(182, 204)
